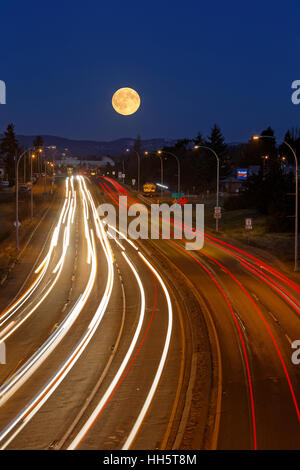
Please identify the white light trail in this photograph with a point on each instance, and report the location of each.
(162, 362)
(118, 375)
(42, 396)
(42, 269)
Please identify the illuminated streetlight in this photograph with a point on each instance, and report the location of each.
(31, 191)
(178, 165)
(139, 165)
(17, 159)
(158, 154)
(218, 176)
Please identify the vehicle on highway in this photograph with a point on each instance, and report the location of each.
(149, 189)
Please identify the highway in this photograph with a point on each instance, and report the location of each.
(88, 341)
(115, 343)
(254, 311)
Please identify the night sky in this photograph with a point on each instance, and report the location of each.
(193, 63)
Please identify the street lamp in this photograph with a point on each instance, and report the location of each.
(139, 166)
(178, 165)
(258, 137)
(158, 154)
(17, 160)
(31, 157)
(218, 176)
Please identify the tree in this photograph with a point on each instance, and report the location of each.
(268, 146)
(292, 137)
(270, 195)
(216, 141)
(9, 149)
(38, 142)
(198, 140)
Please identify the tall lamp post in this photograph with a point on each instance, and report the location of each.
(161, 169)
(258, 137)
(17, 160)
(32, 157)
(178, 166)
(45, 176)
(218, 176)
(139, 166)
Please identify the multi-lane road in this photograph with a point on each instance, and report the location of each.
(115, 343)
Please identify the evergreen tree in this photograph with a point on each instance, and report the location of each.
(292, 137)
(9, 149)
(198, 140)
(216, 141)
(38, 142)
(268, 146)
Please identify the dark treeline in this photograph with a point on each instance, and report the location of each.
(270, 191)
(10, 150)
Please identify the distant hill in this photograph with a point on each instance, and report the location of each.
(86, 148)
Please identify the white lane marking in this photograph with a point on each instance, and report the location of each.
(85, 428)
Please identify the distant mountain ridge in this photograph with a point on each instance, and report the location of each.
(86, 148)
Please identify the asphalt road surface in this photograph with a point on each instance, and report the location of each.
(121, 344)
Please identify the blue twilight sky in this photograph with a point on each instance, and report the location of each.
(193, 63)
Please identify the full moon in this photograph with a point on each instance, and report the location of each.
(126, 101)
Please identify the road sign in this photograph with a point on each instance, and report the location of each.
(248, 224)
(177, 195)
(217, 214)
(183, 201)
(119, 174)
(242, 174)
